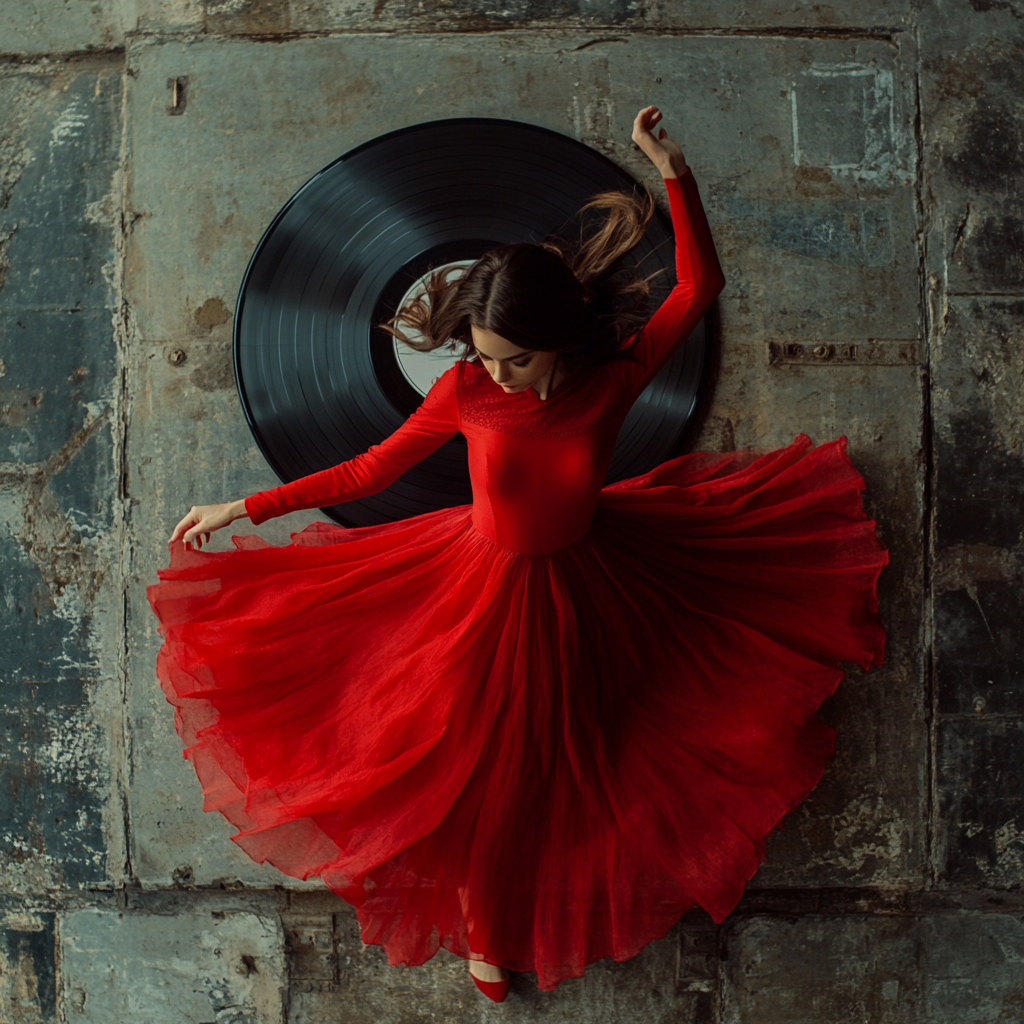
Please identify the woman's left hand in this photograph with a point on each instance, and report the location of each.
(202, 520)
(663, 151)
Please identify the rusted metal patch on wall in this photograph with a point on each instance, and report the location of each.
(868, 352)
(311, 948)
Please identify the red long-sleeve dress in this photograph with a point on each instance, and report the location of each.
(537, 729)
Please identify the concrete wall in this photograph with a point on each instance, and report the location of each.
(861, 164)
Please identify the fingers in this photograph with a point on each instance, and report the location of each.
(647, 118)
(648, 111)
(191, 529)
(644, 133)
(191, 518)
(201, 522)
(196, 536)
(640, 124)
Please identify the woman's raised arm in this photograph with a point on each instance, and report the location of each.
(699, 276)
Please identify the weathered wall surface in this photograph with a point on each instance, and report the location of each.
(62, 516)
(861, 165)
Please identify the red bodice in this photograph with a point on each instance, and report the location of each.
(536, 466)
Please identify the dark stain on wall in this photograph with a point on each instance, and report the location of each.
(978, 649)
(27, 956)
(46, 657)
(981, 781)
(843, 232)
(995, 252)
(980, 486)
(273, 20)
(991, 149)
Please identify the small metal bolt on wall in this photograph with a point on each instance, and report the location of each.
(179, 93)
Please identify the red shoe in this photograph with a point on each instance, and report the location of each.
(494, 990)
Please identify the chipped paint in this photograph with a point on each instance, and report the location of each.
(222, 964)
(1010, 850)
(70, 124)
(58, 587)
(844, 118)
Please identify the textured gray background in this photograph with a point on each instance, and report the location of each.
(861, 165)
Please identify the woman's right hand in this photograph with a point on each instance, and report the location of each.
(663, 151)
(202, 520)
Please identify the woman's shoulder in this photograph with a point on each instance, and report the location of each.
(470, 371)
(473, 382)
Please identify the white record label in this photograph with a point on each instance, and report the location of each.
(421, 369)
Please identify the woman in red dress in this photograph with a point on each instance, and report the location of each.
(537, 729)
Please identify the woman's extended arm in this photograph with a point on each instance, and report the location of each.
(433, 423)
(699, 275)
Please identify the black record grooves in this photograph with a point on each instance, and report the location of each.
(320, 383)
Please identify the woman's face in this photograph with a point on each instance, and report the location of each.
(513, 368)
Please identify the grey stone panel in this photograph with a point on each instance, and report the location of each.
(328, 95)
(972, 115)
(941, 969)
(974, 968)
(980, 838)
(979, 638)
(980, 487)
(54, 27)
(978, 411)
(973, 148)
(980, 649)
(863, 824)
(59, 162)
(252, 133)
(57, 393)
(56, 256)
(840, 970)
(52, 805)
(49, 654)
(183, 966)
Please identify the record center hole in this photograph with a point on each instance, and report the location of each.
(421, 369)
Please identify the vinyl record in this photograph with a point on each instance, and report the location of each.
(320, 383)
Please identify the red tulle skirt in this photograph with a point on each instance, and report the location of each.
(537, 760)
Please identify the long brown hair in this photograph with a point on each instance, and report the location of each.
(559, 295)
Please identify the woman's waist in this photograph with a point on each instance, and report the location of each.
(533, 531)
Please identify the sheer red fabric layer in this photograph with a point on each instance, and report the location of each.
(540, 760)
